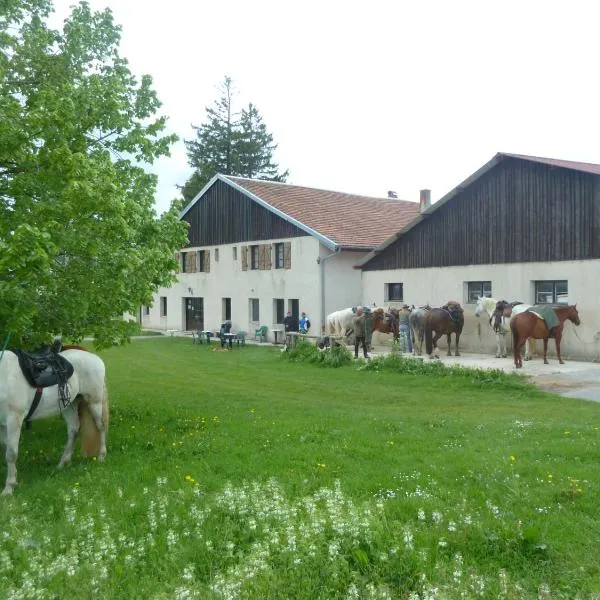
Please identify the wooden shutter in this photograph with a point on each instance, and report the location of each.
(206, 265)
(192, 262)
(266, 252)
(287, 255)
(244, 251)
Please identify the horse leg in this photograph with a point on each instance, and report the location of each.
(517, 345)
(95, 407)
(436, 351)
(503, 344)
(72, 419)
(456, 338)
(546, 351)
(497, 345)
(13, 426)
(557, 339)
(449, 338)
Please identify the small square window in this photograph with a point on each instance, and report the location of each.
(163, 306)
(279, 256)
(394, 292)
(478, 289)
(235, 253)
(552, 292)
(254, 310)
(254, 257)
(216, 255)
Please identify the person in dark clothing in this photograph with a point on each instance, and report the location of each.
(359, 326)
(225, 328)
(289, 323)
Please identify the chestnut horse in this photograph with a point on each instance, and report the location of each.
(386, 322)
(446, 320)
(528, 325)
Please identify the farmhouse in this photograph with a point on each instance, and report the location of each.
(258, 249)
(520, 228)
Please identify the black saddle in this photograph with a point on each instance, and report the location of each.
(44, 367)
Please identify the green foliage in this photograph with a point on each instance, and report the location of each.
(231, 143)
(80, 243)
(305, 352)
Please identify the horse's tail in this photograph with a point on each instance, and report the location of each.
(90, 435)
(428, 337)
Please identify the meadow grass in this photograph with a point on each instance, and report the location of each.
(244, 474)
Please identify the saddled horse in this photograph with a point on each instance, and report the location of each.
(499, 313)
(529, 325)
(416, 323)
(386, 321)
(86, 404)
(339, 323)
(446, 320)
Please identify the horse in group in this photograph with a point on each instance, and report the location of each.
(446, 320)
(499, 314)
(416, 323)
(529, 324)
(87, 408)
(386, 321)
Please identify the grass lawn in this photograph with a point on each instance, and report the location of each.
(242, 475)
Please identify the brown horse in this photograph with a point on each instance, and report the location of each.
(386, 322)
(528, 325)
(446, 320)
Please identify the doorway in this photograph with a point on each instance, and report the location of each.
(194, 314)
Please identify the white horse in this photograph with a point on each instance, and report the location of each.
(339, 322)
(488, 305)
(89, 407)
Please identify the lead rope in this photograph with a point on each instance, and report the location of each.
(5, 345)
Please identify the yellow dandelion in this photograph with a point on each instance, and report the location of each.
(513, 458)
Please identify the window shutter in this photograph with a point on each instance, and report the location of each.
(244, 250)
(287, 255)
(206, 261)
(267, 256)
(192, 262)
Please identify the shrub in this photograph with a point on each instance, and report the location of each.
(305, 352)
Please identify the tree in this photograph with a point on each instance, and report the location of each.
(80, 242)
(231, 143)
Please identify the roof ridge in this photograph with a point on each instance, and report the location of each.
(316, 189)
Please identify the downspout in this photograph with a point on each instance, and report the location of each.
(321, 262)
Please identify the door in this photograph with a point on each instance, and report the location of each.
(194, 314)
(294, 307)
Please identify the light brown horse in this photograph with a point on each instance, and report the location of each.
(386, 322)
(529, 325)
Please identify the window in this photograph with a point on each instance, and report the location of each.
(279, 256)
(254, 312)
(201, 260)
(184, 262)
(163, 306)
(235, 253)
(254, 257)
(226, 309)
(394, 292)
(278, 309)
(216, 255)
(146, 310)
(478, 289)
(552, 292)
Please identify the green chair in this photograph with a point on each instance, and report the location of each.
(260, 334)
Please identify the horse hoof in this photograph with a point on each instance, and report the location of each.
(497, 356)
(7, 491)
(561, 362)
(457, 354)
(546, 362)
(504, 356)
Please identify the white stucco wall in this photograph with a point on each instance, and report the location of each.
(227, 280)
(510, 282)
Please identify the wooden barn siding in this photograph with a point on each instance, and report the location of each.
(225, 216)
(517, 212)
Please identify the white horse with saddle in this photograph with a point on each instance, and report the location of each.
(37, 386)
(499, 316)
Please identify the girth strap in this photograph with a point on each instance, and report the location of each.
(33, 407)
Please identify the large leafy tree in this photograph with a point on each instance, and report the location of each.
(230, 142)
(80, 242)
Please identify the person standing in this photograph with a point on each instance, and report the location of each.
(304, 324)
(404, 326)
(359, 326)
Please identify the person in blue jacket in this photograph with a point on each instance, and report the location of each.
(304, 324)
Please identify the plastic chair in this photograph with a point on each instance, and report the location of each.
(260, 335)
(241, 338)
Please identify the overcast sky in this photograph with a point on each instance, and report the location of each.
(375, 96)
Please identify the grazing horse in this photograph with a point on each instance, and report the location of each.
(446, 320)
(86, 389)
(499, 313)
(529, 324)
(386, 322)
(416, 322)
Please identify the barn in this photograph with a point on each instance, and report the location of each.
(520, 228)
(258, 249)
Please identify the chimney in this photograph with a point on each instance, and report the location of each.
(392, 195)
(424, 200)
